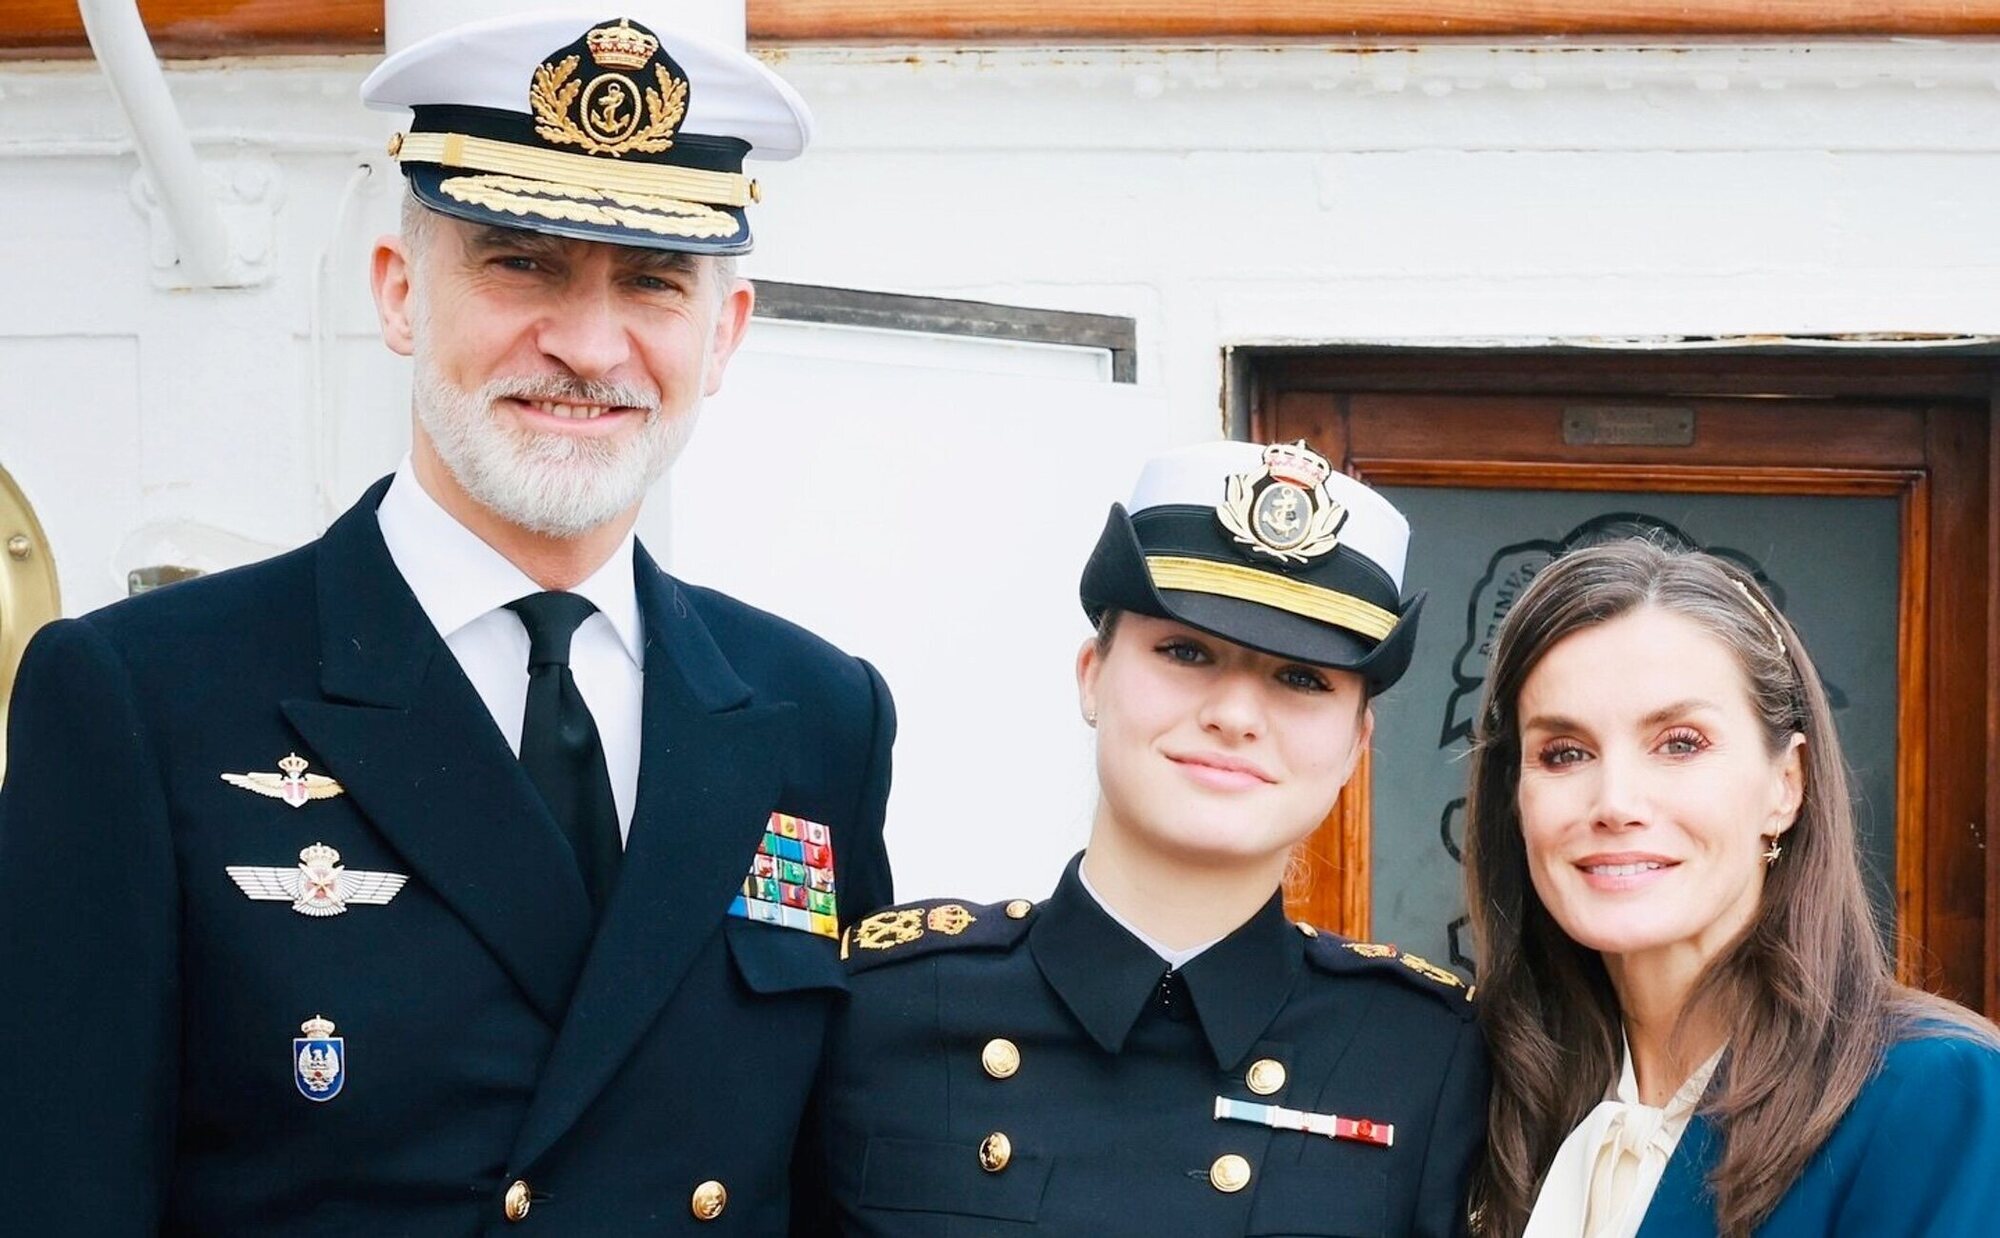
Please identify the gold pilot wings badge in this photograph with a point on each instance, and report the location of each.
(319, 886)
(294, 785)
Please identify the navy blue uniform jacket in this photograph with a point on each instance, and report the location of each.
(148, 1007)
(1916, 1156)
(1111, 1116)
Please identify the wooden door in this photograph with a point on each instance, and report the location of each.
(1868, 518)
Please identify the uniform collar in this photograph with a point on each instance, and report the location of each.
(1107, 977)
(457, 578)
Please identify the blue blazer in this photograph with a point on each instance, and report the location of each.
(1917, 1154)
(492, 1031)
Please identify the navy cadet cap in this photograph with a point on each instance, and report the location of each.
(616, 129)
(1268, 547)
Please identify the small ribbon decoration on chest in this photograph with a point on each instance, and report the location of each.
(1332, 1125)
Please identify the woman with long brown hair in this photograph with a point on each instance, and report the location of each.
(1695, 1026)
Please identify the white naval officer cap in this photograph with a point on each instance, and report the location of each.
(623, 127)
(1268, 546)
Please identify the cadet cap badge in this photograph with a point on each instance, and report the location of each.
(319, 1060)
(319, 886)
(1284, 512)
(293, 785)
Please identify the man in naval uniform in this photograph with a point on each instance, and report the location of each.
(460, 872)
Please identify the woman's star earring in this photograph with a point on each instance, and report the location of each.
(1090, 717)
(1772, 850)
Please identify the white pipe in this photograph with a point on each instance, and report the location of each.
(119, 40)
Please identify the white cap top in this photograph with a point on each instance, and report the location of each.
(1195, 476)
(490, 64)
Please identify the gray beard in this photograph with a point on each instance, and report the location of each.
(548, 484)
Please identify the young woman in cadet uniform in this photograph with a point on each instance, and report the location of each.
(1156, 1049)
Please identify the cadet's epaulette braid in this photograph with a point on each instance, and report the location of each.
(916, 929)
(1337, 954)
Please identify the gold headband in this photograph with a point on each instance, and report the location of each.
(1770, 620)
(1247, 584)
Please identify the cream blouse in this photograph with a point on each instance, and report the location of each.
(1605, 1173)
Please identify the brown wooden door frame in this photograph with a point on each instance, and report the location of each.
(1920, 428)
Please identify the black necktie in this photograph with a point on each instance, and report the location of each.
(559, 744)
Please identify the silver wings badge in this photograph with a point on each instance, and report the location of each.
(319, 886)
(294, 785)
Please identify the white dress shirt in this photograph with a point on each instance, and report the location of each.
(464, 586)
(1605, 1173)
(1174, 959)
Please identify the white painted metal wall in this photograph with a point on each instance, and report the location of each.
(927, 503)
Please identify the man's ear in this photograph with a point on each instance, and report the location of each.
(389, 275)
(732, 319)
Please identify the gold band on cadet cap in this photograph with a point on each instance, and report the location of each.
(1248, 584)
(459, 150)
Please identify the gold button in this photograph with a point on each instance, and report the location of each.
(710, 1198)
(1019, 909)
(517, 1202)
(1266, 1076)
(995, 1151)
(395, 145)
(1000, 1058)
(1308, 929)
(1229, 1174)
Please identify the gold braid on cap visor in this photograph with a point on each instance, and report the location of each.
(459, 150)
(1247, 584)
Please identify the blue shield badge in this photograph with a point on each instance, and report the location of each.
(319, 1060)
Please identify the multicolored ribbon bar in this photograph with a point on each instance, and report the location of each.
(791, 878)
(1333, 1126)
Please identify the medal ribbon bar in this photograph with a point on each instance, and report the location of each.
(1333, 1126)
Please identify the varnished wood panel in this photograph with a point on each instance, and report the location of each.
(1747, 434)
(204, 27)
(1989, 825)
(1192, 20)
(1954, 924)
(214, 27)
(1655, 374)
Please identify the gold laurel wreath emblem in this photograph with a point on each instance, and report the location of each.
(553, 96)
(545, 200)
(1424, 967)
(889, 928)
(1370, 950)
(949, 919)
(1322, 535)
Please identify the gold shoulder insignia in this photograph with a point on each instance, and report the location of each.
(951, 919)
(887, 929)
(1449, 987)
(1430, 970)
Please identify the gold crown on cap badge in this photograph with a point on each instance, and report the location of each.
(603, 111)
(620, 46)
(1284, 512)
